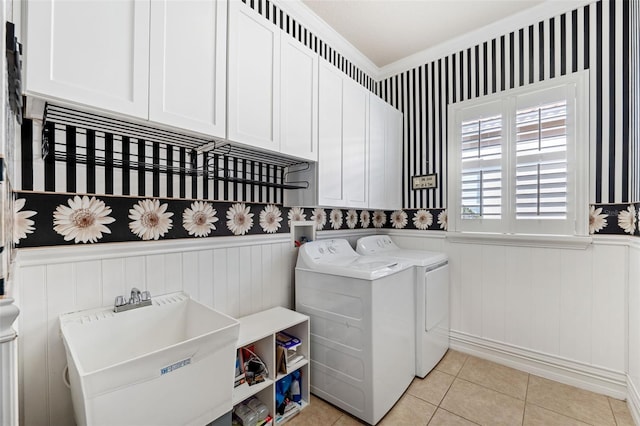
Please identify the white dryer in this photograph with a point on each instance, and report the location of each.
(362, 326)
(432, 297)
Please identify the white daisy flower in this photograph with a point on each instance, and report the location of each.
(295, 214)
(239, 219)
(335, 218)
(422, 219)
(365, 218)
(22, 225)
(627, 219)
(443, 219)
(352, 218)
(379, 218)
(399, 219)
(199, 219)
(270, 218)
(83, 220)
(150, 220)
(597, 221)
(319, 216)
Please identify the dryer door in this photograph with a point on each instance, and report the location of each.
(436, 296)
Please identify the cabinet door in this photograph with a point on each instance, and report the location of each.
(354, 134)
(94, 52)
(254, 78)
(377, 148)
(393, 158)
(299, 100)
(330, 177)
(188, 65)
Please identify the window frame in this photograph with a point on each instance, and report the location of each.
(576, 88)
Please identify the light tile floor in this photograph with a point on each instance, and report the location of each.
(465, 390)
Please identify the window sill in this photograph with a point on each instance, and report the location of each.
(521, 240)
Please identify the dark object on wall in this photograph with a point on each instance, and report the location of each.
(14, 70)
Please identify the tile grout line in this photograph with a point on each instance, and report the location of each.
(526, 395)
(615, 420)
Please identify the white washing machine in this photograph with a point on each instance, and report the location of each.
(362, 326)
(432, 297)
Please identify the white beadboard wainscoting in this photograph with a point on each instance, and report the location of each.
(235, 275)
(567, 314)
(556, 312)
(633, 378)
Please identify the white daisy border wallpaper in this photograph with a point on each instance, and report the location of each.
(50, 219)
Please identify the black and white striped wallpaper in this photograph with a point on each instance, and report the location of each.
(635, 99)
(594, 37)
(278, 17)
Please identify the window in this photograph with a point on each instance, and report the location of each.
(518, 160)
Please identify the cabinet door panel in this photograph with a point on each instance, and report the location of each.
(393, 159)
(330, 178)
(95, 52)
(354, 133)
(299, 100)
(188, 65)
(377, 136)
(254, 78)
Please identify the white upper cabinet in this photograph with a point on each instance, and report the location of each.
(187, 77)
(330, 151)
(354, 138)
(385, 151)
(393, 159)
(273, 87)
(377, 138)
(254, 79)
(299, 99)
(342, 145)
(93, 52)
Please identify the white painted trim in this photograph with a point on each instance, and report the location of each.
(543, 241)
(437, 235)
(504, 26)
(634, 242)
(589, 377)
(633, 400)
(301, 13)
(79, 253)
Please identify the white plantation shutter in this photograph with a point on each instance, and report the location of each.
(541, 162)
(481, 153)
(518, 160)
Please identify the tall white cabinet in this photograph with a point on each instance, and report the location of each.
(188, 63)
(385, 155)
(342, 157)
(298, 99)
(92, 52)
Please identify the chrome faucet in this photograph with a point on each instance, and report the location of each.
(138, 299)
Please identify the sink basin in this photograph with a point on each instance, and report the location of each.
(171, 363)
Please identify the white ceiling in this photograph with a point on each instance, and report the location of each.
(386, 31)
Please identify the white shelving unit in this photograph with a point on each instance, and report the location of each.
(302, 228)
(260, 330)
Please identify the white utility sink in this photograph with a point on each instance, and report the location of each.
(171, 363)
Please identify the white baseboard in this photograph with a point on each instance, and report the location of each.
(584, 376)
(633, 400)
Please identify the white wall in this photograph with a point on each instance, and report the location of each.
(559, 313)
(235, 275)
(633, 378)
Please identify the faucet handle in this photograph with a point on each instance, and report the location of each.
(120, 301)
(145, 295)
